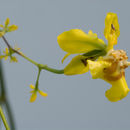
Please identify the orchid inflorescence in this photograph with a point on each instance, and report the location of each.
(93, 55)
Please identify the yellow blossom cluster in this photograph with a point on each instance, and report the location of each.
(6, 28)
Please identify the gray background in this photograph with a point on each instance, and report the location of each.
(73, 102)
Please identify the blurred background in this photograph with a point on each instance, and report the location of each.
(73, 102)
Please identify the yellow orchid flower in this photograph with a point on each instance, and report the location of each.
(34, 93)
(101, 59)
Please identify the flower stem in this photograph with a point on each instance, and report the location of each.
(4, 119)
(41, 66)
(4, 98)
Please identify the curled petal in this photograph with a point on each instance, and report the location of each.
(33, 97)
(68, 54)
(78, 65)
(76, 41)
(118, 91)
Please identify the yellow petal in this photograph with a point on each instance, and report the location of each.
(97, 67)
(32, 86)
(6, 57)
(1, 57)
(13, 59)
(33, 97)
(32, 91)
(68, 54)
(7, 22)
(111, 31)
(6, 51)
(12, 28)
(42, 93)
(1, 26)
(78, 65)
(118, 91)
(76, 41)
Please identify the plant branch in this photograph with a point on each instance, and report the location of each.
(41, 66)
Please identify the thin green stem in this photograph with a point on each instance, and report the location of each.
(45, 67)
(37, 81)
(4, 119)
(28, 59)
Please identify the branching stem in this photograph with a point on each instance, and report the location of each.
(41, 66)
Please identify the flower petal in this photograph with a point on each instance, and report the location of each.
(12, 28)
(13, 59)
(1, 26)
(76, 41)
(78, 65)
(32, 86)
(111, 31)
(6, 52)
(2, 56)
(7, 22)
(97, 67)
(6, 57)
(118, 91)
(42, 93)
(33, 97)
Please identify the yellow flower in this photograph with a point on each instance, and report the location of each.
(7, 54)
(93, 54)
(111, 31)
(76, 41)
(34, 93)
(6, 28)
